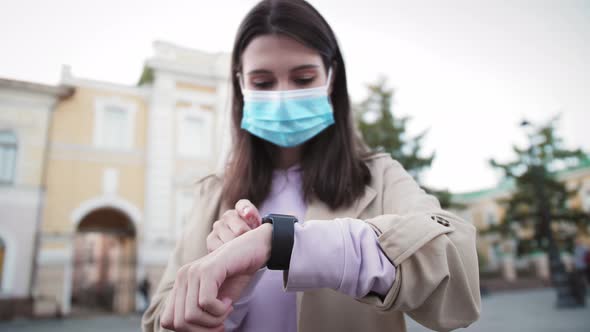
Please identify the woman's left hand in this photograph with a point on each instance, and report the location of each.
(205, 289)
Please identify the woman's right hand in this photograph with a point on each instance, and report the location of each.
(233, 223)
(205, 289)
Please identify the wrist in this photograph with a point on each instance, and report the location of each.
(266, 234)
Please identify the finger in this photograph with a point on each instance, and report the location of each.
(179, 300)
(167, 318)
(225, 234)
(193, 314)
(238, 226)
(203, 319)
(248, 212)
(217, 328)
(208, 301)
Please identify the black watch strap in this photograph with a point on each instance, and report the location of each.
(283, 236)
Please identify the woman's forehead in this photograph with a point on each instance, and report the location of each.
(278, 53)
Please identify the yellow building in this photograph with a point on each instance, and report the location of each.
(25, 116)
(120, 166)
(485, 209)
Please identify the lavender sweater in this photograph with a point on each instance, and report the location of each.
(348, 260)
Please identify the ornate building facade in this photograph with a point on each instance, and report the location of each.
(119, 166)
(485, 209)
(25, 121)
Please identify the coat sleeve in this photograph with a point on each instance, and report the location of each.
(434, 252)
(190, 247)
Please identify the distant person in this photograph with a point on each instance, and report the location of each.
(581, 257)
(349, 230)
(144, 290)
(580, 252)
(580, 269)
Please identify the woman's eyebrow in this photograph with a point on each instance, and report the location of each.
(266, 71)
(259, 71)
(309, 66)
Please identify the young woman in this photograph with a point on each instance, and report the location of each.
(357, 244)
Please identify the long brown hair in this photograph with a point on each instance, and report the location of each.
(333, 170)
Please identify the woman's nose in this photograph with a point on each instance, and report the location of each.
(284, 84)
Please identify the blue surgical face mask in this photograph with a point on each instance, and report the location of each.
(290, 117)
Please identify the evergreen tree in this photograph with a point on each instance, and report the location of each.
(540, 199)
(537, 189)
(384, 132)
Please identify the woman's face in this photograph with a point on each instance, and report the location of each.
(278, 62)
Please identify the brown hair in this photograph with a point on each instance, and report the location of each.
(333, 170)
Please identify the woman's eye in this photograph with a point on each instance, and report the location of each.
(303, 80)
(263, 84)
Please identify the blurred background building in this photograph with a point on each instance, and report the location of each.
(508, 256)
(25, 117)
(98, 178)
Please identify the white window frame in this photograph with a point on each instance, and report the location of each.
(188, 151)
(16, 160)
(130, 108)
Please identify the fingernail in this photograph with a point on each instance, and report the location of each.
(246, 210)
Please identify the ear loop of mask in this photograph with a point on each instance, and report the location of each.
(327, 85)
(328, 81)
(241, 81)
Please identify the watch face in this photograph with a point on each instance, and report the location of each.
(271, 218)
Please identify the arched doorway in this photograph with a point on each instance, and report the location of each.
(104, 262)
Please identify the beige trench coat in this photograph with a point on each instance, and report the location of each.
(437, 279)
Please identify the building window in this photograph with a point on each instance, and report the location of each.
(114, 124)
(8, 148)
(194, 133)
(491, 218)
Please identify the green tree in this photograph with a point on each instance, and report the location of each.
(147, 76)
(384, 132)
(540, 199)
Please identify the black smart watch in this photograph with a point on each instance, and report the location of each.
(283, 234)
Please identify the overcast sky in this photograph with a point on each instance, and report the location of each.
(467, 70)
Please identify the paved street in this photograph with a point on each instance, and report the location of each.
(524, 311)
(518, 311)
(96, 324)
